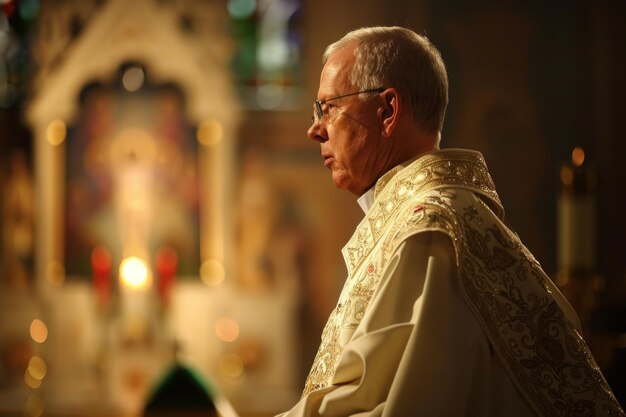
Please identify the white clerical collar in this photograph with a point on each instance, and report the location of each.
(366, 200)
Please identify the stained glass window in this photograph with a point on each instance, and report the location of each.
(266, 62)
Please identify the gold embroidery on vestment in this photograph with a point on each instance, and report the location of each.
(451, 192)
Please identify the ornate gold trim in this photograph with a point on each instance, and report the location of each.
(502, 283)
(438, 169)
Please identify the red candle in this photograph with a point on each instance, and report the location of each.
(166, 266)
(101, 274)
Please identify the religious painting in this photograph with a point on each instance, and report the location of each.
(131, 181)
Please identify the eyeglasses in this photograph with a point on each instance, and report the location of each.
(318, 111)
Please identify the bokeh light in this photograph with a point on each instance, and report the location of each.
(38, 331)
(31, 381)
(227, 329)
(578, 156)
(56, 131)
(231, 366)
(210, 132)
(212, 272)
(133, 79)
(134, 272)
(37, 368)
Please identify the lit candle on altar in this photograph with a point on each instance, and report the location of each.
(136, 298)
(134, 273)
(577, 217)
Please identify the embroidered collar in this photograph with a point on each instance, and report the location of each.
(367, 199)
(457, 168)
(445, 167)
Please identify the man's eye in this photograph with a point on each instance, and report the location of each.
(328, 108)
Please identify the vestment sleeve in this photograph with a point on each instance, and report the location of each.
(417, 350)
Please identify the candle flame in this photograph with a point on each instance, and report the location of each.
(134, 272)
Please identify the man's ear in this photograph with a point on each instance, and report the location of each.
(390, 111)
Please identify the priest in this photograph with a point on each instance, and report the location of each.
(444, 311)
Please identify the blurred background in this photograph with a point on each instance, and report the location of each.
(168, 231)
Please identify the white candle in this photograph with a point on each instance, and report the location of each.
(577, 217)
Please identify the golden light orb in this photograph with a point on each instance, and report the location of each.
(38, 331)
(210, 132)
(578, 156)
(56, 131)
(212, 272)
(134, 272)
(227, 329)
(31, 381)
(37, 368)
(231, 365)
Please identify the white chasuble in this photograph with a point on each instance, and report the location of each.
(445, 312)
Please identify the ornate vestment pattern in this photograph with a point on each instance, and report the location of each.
(451, 191)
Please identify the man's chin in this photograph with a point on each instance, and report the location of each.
(344, 184)
(340, 181)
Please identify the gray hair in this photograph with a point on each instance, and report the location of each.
(398, 57)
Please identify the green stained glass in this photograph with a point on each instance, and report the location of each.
(266, 62)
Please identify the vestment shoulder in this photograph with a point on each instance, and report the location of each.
(432, 212)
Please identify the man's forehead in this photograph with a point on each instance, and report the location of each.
(336, 72)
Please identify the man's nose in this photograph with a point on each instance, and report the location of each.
(317, 132)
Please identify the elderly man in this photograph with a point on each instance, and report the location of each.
(444, 311)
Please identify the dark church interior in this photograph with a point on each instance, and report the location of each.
(170, 239)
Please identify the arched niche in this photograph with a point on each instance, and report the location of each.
(114, 34)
